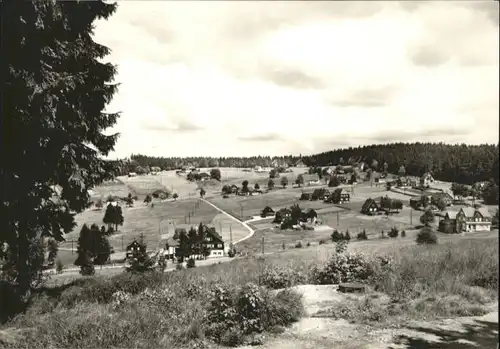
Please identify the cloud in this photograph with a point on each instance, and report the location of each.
(290, 77)
(266, 137)
(228, 78)
(181, 126)
(428, 56)
(366, 98)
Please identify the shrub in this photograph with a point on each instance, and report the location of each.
(341, 246)
(276, 277)
(343, 267)
(336, 236)
(59, 266)
(394, 232)
(362, 235)
(298, 245)
(347, 236)
(321, 242)
(308, 244)
(234, 314)
(403, 234)
(426, 236)
(190, 263)
(179, 266)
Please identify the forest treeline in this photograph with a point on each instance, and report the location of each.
(463, 163)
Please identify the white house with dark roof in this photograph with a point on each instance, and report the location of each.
(426, 180)
(311, 179)
(469, 219)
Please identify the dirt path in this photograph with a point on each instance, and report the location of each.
(250, 230)
(325, 333)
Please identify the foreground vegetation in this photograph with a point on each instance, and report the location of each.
(231, 303)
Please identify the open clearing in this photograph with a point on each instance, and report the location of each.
(113, 188)
(245, 207)
(146, 220)
(230, 176)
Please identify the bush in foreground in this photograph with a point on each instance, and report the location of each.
(190, 263)
(426, 236)
(276, 277)
(344, 267)
(234, 315)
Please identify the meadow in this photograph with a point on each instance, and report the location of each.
(236, 176)
(246, 207)
(148, 220)
(456, 278)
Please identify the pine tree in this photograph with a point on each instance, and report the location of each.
(85, 256)
(140, 261)
(56, 88)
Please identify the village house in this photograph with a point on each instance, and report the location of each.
(320, 194)
(213, 241)
(344, 177)
(267, 212)
(339, 196)
(311, 179)
(447, 198)
(132, 174)
(371, 207)
(234, 189)
(469, 219)
(204, 176)
(344, 197)
(171, 246)
(300, 163)
(426, 180)
(155, 169)
(134, 247)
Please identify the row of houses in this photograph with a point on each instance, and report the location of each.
(338, 196)
(424, 181)
(419, 203)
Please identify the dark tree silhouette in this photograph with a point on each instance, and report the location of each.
(56, 88)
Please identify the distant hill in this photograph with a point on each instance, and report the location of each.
(454, 163)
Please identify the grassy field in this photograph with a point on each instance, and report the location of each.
(146, 220)
(230, 176)
(458, 278)
(245, 207)
(113, 188)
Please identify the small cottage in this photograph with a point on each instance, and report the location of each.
(426, 180)
(311, 179)
(371, 207)
(267, 212)
(133, 248)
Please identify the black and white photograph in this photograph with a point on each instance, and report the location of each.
(185, 174)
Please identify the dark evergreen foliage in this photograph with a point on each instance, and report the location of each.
(56, 88)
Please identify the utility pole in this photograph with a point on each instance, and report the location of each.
(72, 246)
(338, 218)
(231, 235)
(411, 216)
(262, 245)
(122, 244)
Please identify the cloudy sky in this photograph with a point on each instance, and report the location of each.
(275, 78)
